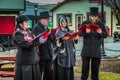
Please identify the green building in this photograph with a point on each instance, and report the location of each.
(78, 11)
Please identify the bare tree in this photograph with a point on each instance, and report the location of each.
(114, 4)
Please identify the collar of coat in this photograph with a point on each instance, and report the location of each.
(42, 26)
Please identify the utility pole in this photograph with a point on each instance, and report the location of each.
(35, 9)
(102, 17)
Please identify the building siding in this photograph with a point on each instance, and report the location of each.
(80, 7)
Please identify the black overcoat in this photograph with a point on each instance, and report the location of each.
(92, 41)
(66, 59)
(27, 53)
(44, 49)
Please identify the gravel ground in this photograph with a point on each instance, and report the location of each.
(77, 76)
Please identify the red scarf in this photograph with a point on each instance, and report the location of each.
(28, 36)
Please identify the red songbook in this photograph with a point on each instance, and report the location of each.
(83, 27)
(93, 27)
(65, 35)
(75, 34)
(69, 35)
(55, 30)
(45, 34)
(89, 26)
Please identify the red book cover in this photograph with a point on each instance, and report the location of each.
(89, 26)
(69, 35)
(93, 27)
(75, 34)
(65, 35)
(55, 30)
(45, 34)
(83, 27)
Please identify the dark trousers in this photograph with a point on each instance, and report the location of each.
(95, 62)
(46, 69)
(64, 73)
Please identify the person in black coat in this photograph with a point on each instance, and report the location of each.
(66, 55)
(91, 50)
(45, 49)
(27, 67)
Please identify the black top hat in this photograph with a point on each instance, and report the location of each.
(94, 11)
(22, 18)
(44, 14)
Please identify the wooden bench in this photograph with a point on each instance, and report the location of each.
(6, 60)
(4, 63)
(7, 73)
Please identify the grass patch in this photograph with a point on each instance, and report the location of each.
(109, 76)
(102, 75)
(77, 70)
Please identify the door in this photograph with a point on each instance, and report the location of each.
(7, 24)
(78, 20)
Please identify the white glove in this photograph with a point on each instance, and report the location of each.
(62, 50)
(42, 40)
(58, 43)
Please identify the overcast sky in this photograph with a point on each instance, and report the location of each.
(46, 1)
